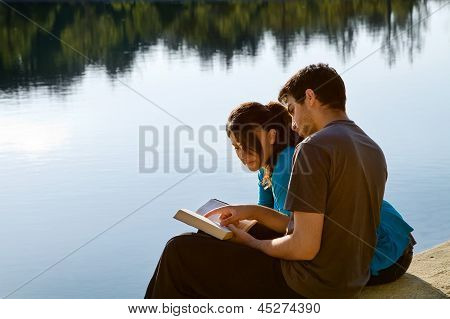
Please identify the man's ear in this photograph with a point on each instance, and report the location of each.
(310, 97)
(272, 136)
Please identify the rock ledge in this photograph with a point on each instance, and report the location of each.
(427, 277)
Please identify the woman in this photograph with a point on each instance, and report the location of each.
(264, 142)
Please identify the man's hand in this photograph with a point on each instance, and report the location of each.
(242, 237)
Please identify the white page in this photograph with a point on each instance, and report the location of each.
(209, 206)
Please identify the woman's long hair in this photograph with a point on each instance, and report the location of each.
(249, 116)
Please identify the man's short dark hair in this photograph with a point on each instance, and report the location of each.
(326, 83)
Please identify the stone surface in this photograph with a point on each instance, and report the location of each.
(427, 277)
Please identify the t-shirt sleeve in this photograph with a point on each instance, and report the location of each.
(308, 186)
(265, 197)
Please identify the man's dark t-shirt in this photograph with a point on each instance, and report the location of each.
(341, 172)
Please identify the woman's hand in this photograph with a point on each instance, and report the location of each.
(229, 215)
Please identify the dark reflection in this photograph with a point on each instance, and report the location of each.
(111, 34)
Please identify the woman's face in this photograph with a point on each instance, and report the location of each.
(251, 159)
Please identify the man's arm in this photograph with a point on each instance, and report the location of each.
(302, 244)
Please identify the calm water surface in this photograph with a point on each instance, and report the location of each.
(70, 118)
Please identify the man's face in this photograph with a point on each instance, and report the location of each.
(302, 117)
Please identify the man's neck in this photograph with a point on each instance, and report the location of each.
(331, 116)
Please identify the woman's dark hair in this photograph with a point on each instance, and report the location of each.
(249, 116)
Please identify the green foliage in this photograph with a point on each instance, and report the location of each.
(110, 34)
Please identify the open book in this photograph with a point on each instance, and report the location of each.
(210, 225)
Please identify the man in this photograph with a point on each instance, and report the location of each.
(335, 193)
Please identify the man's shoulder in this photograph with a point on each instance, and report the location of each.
(325, 139)
(342, 139)
(338, 133)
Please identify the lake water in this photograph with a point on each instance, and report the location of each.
(72, 103)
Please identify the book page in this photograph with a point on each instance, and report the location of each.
(215, 219)
(210, 205)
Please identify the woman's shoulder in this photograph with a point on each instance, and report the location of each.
(283, 166)
(289, 151)
(285, 158)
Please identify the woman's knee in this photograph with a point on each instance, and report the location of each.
(175, 241)
(185, 241)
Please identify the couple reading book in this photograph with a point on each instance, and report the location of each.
(321, 228)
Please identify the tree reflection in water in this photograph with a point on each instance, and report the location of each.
(113, 34)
